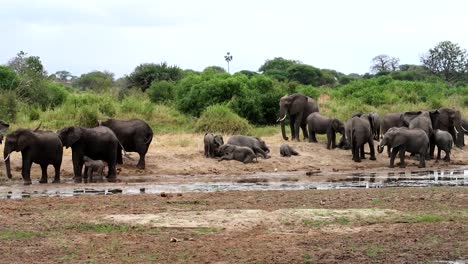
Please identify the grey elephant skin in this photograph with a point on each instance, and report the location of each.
(298, 107)
(449, 120)
(318, 124)
(3, 126)
(388, 121)
(376, 125)
(40, 147)
(359, 132)
(211, 144)
(287, 151)
(443, 141)
(403, 139)
(460, 140)
(135, 135)
(233, 152)
(93, 166)
(98, 143)
(255, 143)
(421, 120)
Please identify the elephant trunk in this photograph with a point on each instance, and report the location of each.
(6, 157)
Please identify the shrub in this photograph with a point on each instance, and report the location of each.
(221, 119)
(34, 114)
(8, 106)
(309, 91)
(56, 94)
(9, 80)
(87, 116)
(161, 91)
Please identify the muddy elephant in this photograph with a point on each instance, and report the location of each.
(318, 124)
(402, 139)
(212, 143)
(233, 152)
(298, 107)
(443, 141)
(40, 147)
(359, 132)
(98, 143)
(134, 135)
(255, 143)
(287, 151)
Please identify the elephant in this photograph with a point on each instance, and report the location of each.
(359, 132)
(460, 140)
(388, 121)
(98, 143)
(256, 144)
(316, 123)
(298, 107)
(233, 152)
(443, 141)
(287, 151)
(92, 166)
(402, 139)
(212, 144)
(3, 126)
(376, 120)
(40, 147)
(422, 120)
(134, 135)
(343, 144)
(447, 119)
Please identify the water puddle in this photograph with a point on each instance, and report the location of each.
(299, 180)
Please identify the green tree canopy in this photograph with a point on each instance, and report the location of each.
(304, 74)
(146, 73)
(95, 80)
(27, 65)
(9, 80)
(448, 60)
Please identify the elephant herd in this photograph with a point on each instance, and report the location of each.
(103, 143)
(417, 132)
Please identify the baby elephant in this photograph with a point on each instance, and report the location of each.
(287, 151)
(92, 166)
(256, 144)
(212, 143)
(443, 141)
(232, 152)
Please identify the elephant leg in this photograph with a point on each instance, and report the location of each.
(86, 174)
(57, 173)
(291, 126)
(297, 125)
(206, 151)
(333, 140)
(304, 131)
(431, 150)
(44, 173)
(356, 154)
(447, 156)
(227, 157)
(389, 151)
(25, 171)
(112, 173)
(312, 137)
(263, 153)
(439, 150)
(402, 158)
(372, 149)
(119, 155)
(392, 157)
(77, 166)
(362, 153)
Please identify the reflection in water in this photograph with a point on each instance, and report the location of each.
(260, 182)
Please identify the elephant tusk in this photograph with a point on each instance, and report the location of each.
(281, 119)
(7, 157)
(456, 131)
(464, 129)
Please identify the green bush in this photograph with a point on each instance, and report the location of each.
(56, 94)
(309, 91)
(220, 119)
(9, 80)
(161, 91)
(34, 114)
(8, 106)
(87, 116)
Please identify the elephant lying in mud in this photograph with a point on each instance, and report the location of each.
(256, 144)
(232, 152)
(287, 151)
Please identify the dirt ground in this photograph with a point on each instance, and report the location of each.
(389, 225)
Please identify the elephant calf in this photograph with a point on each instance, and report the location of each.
(316, 123)
(92, 166)
(443, 141)
(232, 152)
(212, 144)
(404, 139)
(256, 144)
(287, 151)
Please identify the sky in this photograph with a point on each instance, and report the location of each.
(118, 35)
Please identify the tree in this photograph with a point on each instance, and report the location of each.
(383, 63)
(304, 74)
(228, 58)
(96, 80)
(446, 59)
(27, 65)
(277, 68)
(9, 80)
(64, 76)
(144, 74)
(214, 69)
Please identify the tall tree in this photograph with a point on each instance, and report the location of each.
(144, 74)
(446, 59)
(27, 65)
(383, 62)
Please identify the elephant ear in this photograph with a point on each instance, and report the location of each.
(24, 139)
(74, 134)
(397, 139)
(406, 117)
(435, 115)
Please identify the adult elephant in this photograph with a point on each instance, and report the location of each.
(447, 119)
(3, 126)
(359, 132)
(255, 143)
(40, 147)
(402, 139)
(317, 123)
(135, 135)
(298, 107)
(460, 140)
(98, 143)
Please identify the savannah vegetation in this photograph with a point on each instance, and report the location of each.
(178, 100)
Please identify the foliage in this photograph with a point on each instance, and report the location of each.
(384, 63)
(8, 106)
(145, 74)
(214, 69)
(309, 91)
(56, 94)
(9, 80)
(220, 119)
(96, 80)
(448, 60)
(304, 74)
(161, 91)
(277, 68)
(27, 65)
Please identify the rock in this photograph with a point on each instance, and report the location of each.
(163, 194)
(173, 239)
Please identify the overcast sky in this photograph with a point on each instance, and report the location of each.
(117, 35)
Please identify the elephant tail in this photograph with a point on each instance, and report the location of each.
(353, 138)
(149, 138)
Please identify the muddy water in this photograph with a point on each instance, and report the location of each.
(299, 180)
